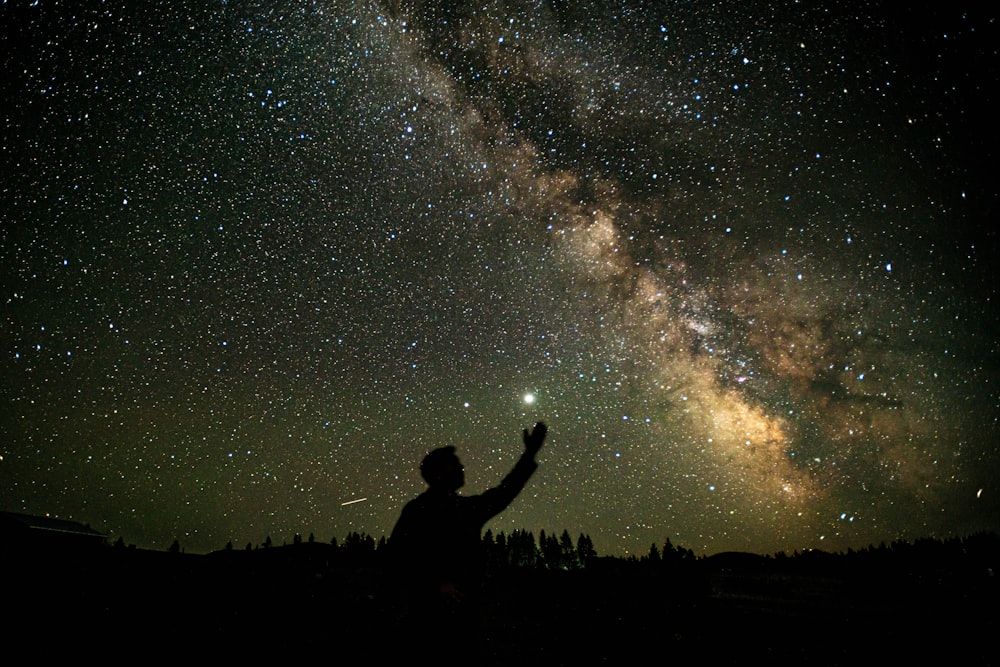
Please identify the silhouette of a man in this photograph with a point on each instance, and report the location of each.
(436, 543)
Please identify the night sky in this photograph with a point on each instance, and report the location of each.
(260, 257)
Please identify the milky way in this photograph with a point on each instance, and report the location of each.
(260, 257)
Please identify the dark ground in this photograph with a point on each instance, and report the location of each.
(300, 603)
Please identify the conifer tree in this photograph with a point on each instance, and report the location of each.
(585, 550)
(567, 552)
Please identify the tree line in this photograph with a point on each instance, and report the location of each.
(518, 549)
(549, 551)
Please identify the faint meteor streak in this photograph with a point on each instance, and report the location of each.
(351, 502)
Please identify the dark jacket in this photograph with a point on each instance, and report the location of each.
(437, 538)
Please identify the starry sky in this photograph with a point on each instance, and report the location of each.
(259, 257)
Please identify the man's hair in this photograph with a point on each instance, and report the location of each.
(431, 464)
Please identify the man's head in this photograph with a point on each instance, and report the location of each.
(441, 469)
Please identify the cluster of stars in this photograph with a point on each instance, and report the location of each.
(257, 264)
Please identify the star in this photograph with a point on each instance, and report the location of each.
(257, 265)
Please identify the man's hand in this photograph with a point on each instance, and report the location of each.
(533, 439)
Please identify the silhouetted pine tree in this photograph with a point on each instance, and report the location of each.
(567, 552)
(359, 547)
(523, 549)
(493, 555)
(551, 553)
(585, 552)
(502, 551)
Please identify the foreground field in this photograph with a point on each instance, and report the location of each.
(302, 603)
